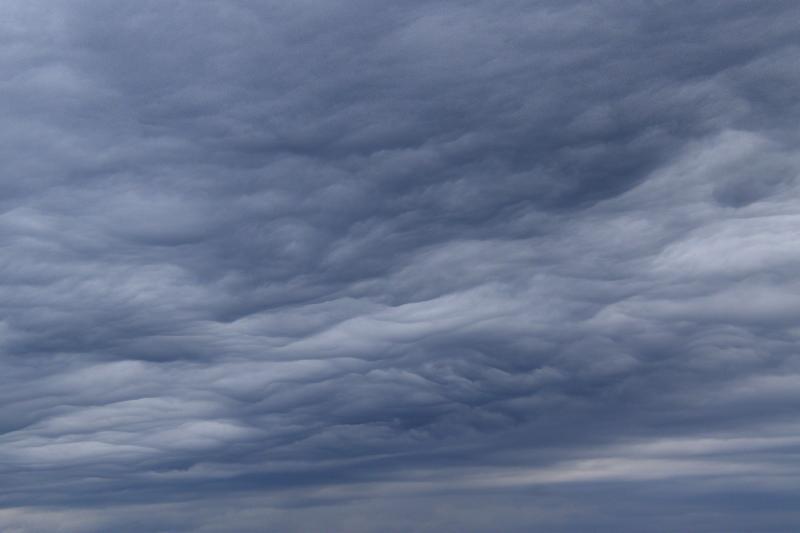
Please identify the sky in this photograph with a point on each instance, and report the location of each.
(460, 266)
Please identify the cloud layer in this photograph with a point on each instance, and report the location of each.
(418, 266)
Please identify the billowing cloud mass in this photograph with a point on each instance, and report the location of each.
(449, 266)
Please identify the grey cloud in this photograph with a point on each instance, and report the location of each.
(429, 266)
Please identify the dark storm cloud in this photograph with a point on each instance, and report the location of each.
(428, 266)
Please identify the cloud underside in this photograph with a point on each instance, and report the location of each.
(417, 266)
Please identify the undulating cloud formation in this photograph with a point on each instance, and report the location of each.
(445, 266)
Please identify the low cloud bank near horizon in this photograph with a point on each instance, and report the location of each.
(428, 266)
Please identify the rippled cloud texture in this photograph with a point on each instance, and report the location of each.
(450, 266)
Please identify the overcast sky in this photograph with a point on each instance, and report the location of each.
(399, 266)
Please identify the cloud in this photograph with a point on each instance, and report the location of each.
(450, 266)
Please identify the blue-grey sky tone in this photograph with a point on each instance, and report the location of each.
(450, 266)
